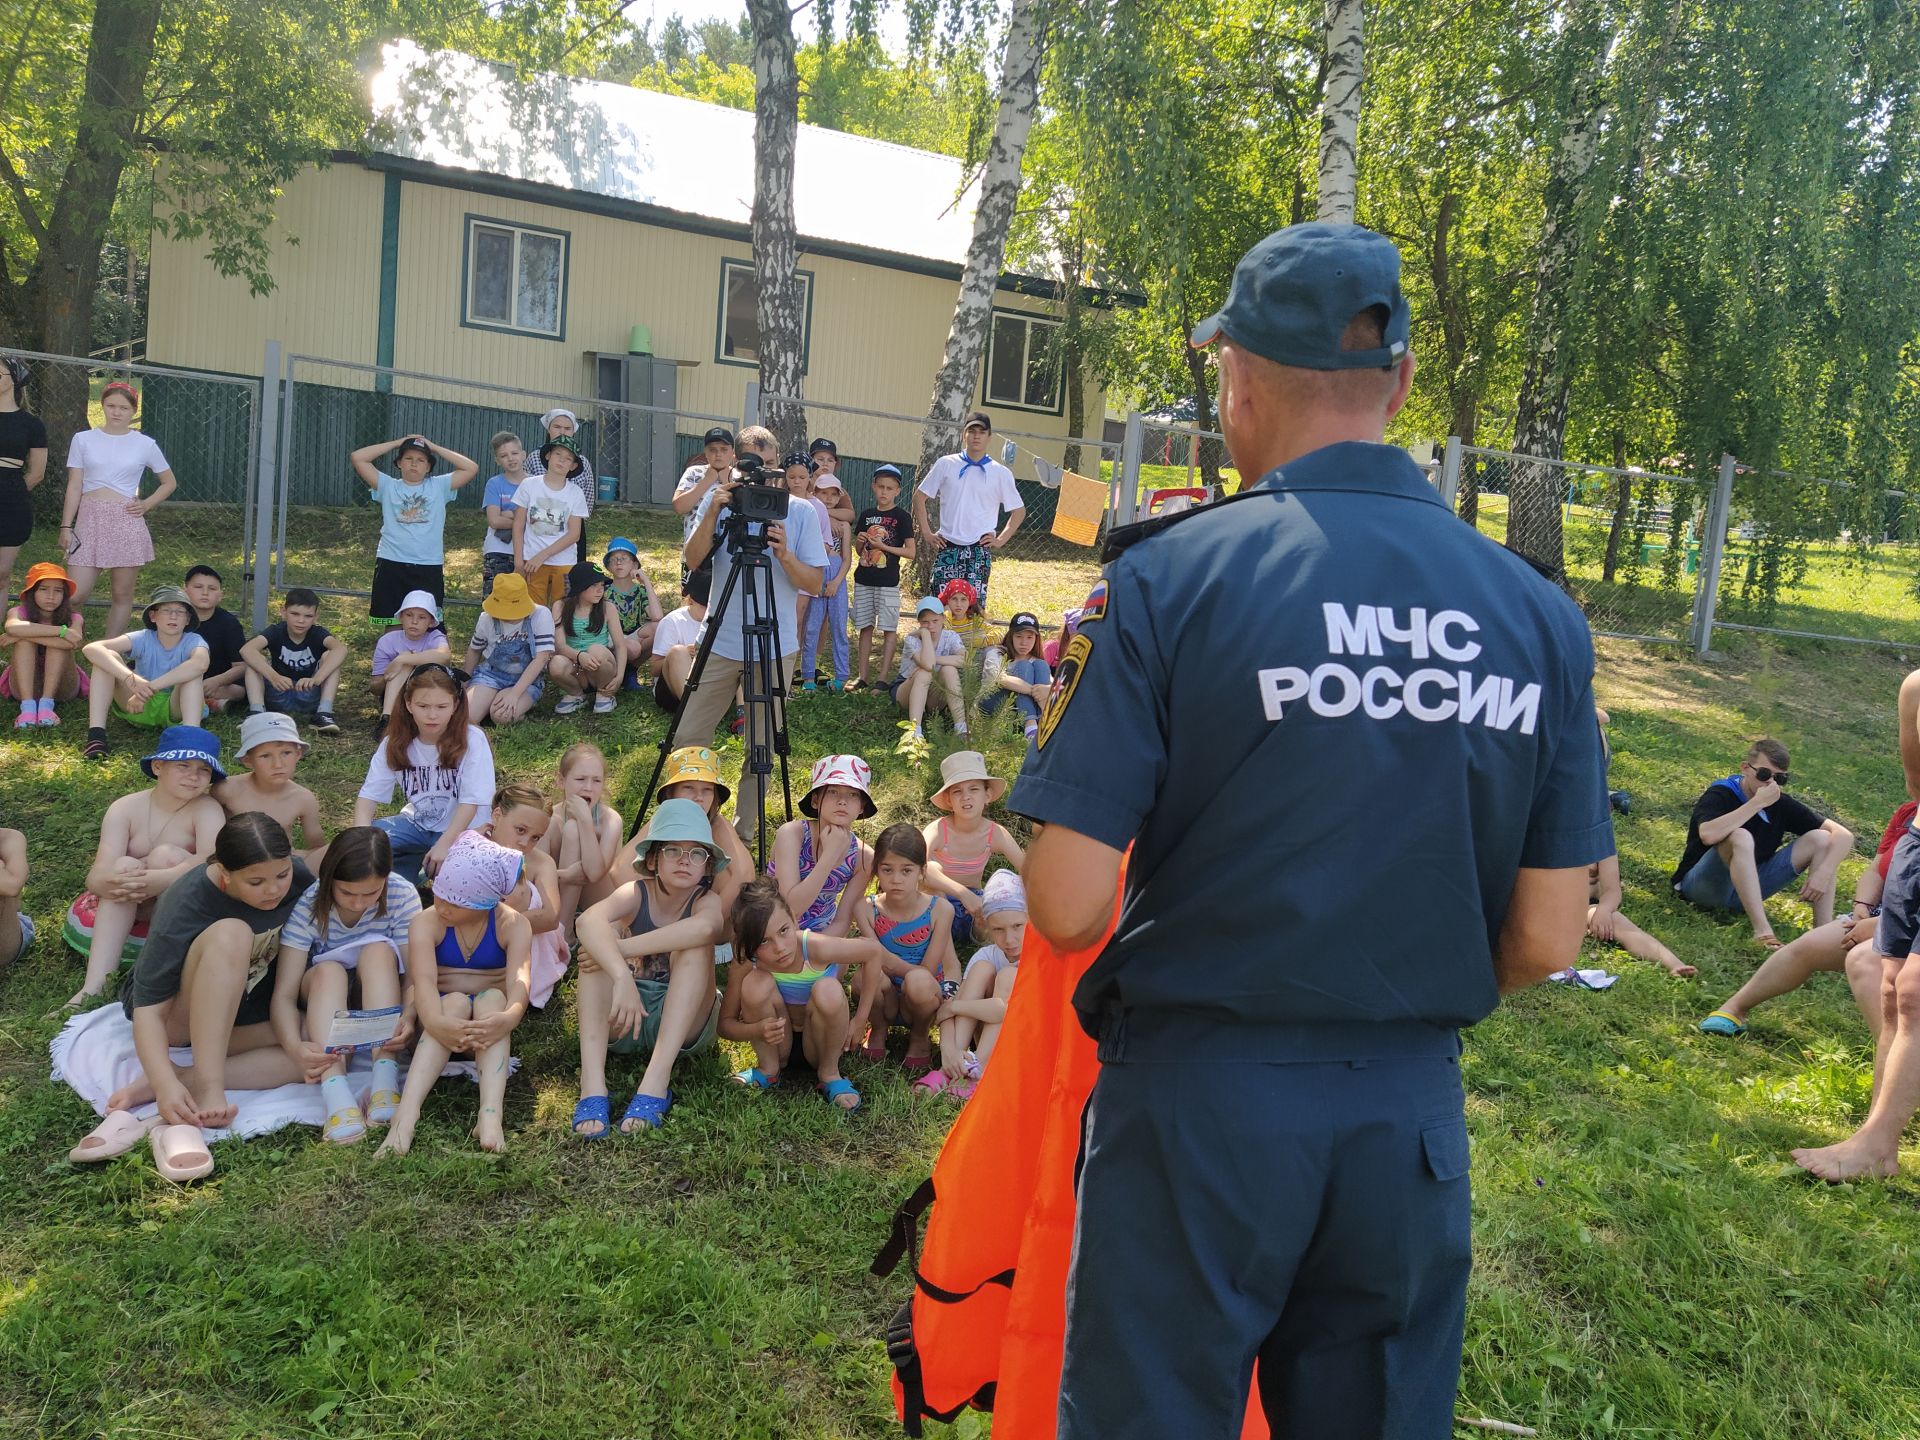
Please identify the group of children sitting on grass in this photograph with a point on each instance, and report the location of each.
(467, 907)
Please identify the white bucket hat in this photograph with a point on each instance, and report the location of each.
(848, 770)
(421, 600)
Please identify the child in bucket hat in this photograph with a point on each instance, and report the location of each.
(963, 841)
(147, 841)
(693, 773)
(470, 962)
(45, 635)
(970, 1022)
(639, 996)
(270, 752)
(159, 679)
(823, 867)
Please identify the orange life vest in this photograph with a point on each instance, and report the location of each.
(987, 1318)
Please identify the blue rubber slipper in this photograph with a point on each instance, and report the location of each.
(833, 1090)
(755, 1079)
(591, 1108)
(649, 1110)
(1721, 1023)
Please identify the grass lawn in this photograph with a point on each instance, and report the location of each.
(1649, 1263)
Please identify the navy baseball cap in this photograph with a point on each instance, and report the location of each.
(824, 444)
(720, 433)
(1294, 293)
(893, 470)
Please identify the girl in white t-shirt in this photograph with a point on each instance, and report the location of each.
(103, 523)
(440, 762)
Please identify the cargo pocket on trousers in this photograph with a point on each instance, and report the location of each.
(1445, 1144)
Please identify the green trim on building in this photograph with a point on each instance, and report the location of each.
(389, 277)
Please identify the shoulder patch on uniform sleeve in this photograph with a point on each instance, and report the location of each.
(1095, 607)
(1073, 664)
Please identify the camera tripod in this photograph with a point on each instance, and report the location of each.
(763, 680)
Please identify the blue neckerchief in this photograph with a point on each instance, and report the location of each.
(966, 464)
(1732, 782)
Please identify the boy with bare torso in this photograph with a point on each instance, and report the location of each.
(270, 749)
(147, 841)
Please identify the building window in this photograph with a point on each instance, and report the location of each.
(738, 342)
(1023, 362)
(516, 278)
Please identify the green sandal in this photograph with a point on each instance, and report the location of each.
(1721, 1023)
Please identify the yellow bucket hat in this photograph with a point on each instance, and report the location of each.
(692, 762)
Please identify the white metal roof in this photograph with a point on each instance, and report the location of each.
(449, 109)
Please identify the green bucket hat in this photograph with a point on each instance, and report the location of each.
(681, 820)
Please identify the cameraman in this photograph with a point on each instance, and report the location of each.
(800, 563)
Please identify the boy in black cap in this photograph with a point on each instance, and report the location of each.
(972, 489)
(413, 503)
(883, 536)
(715, 464)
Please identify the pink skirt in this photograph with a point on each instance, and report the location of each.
(549, 959)
(106, 537)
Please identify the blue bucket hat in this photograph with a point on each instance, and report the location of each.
(186, 742)
(620, 545)
(1294, 293)
(681, 820)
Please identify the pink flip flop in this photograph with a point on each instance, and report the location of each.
(118, 1133)
(932, 1083)
(180, 1153)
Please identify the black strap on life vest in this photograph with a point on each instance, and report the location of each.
(903, 1240)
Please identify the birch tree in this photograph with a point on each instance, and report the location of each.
(776, 243)
(1340, 112)
(953, 383)
(1540, 417)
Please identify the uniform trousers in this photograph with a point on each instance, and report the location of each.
(1311, 1216)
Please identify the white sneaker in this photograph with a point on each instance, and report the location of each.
(603, 704)
(569, 704)
(959, 727)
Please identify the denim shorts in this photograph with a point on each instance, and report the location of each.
(496, 680)
(1710, 886)
(1900, 900)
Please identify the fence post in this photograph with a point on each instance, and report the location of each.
(265, 486)
(1130, 446)
(750, 405)
(1450, 474)
(1714, 544)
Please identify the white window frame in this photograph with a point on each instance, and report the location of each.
(1030, 344)
(469, 273)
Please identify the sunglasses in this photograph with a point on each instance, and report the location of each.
(1763, 774)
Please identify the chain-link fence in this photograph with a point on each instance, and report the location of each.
(1819, 558)
(1630, 539)
(327, 524)
(208, 429)
(1040, 570)
(1181, 465)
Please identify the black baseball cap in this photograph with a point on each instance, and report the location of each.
(720, 433)
(1294, 293)
(1023, 620)
(978, 417)
(827, 445)
(413, 442)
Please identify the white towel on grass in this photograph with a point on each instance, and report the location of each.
(94, 1054)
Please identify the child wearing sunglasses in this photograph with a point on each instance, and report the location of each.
(1736, 854)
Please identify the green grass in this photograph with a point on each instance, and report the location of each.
(1648, 1263)
(1838, 590)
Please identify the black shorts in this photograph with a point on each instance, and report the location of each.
(392, 579)
(16, 515)
(1895, 936)
(663, 697)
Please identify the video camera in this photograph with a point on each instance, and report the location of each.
(753, 502)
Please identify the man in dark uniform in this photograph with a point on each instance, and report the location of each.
(1352, 743)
